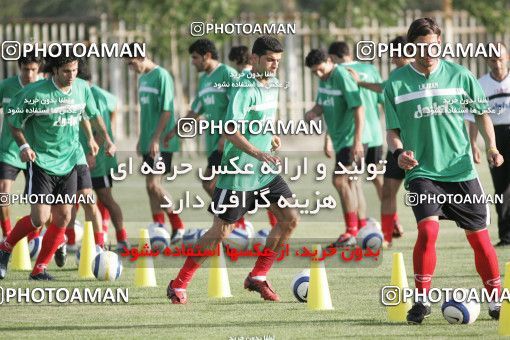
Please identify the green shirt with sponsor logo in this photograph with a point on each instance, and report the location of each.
(370, 100)
(430, 116)
(339, 96)
(9, 150)
(106, 103)
(214, 90)
(156, 94)
(50, 121)
(251, 102)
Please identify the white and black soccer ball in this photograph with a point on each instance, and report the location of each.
(98, 251)
(373, 222)
(460, 312)
(299, 285)
(107, 266)
(191, 236)
(370, 237)
(34, 247)
(238, 239)
(159, 238)
(261, 237)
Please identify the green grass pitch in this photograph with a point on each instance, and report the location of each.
(355, 292)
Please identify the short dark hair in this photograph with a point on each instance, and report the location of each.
(28, 58)
(399, 41)
(339, 48)
(202, 46)
(59, 60)
(421, 27)
(315, 57)
(239, 55)
(84, 70)
(266, 43)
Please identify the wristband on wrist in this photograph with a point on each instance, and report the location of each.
(24, 146)
(397, 153)
(493, 149)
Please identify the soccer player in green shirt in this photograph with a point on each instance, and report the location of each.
(257, 100)
(340, 54)
(393, 176)
(156, 97)
(44, 119)
(339, 100)
(10, 162)
(425, 103)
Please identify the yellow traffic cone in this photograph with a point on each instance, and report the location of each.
(319, 297)
(218, 285)
(504, 316)
(397, 311)
(87, 252)
(21, 256)
(145, 276)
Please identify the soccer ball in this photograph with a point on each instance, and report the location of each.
(460, 312)
(260, 237)
(78, 231)
(107, 266)
(34, 247)
(159, 237)
(99, 250)
(370, 237)
(191, 236)
(299, 285)
(373, 222)
(237, 239)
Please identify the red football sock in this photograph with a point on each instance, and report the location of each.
(99, 238)
(388, 223)
(6, 227)
(121, 235)
(362, 222)
(351, 223)
(272, 219)
(159, 218)
(105, 215)
(71, 236)
(22, 228)
(52, 239)
(240, 223)
(185, 274)
(264, 263)
(34, 234)
(77, 207)
(486, 260)
(175, 221)
(424, 255)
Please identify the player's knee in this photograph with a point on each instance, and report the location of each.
(152, 187)
(339, 182)
(61, 217)
(225, 230)
(290, 220)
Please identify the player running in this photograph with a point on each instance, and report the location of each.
(156, 96)
(496, 85)
(340, 54)
(394, 175)
(338, 99)
(257, 100)
(427, 135)
(45, 119)
(10, 162)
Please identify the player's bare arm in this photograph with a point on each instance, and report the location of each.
(371, 86)
(484, 124)
(171, 133)
(405, 157)
(328, 146)
(242, 143)
(473, 135)
(359, 122)
(26, 153)
(314, 113)
(98, 124)
(163, 121)
(87, 129)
